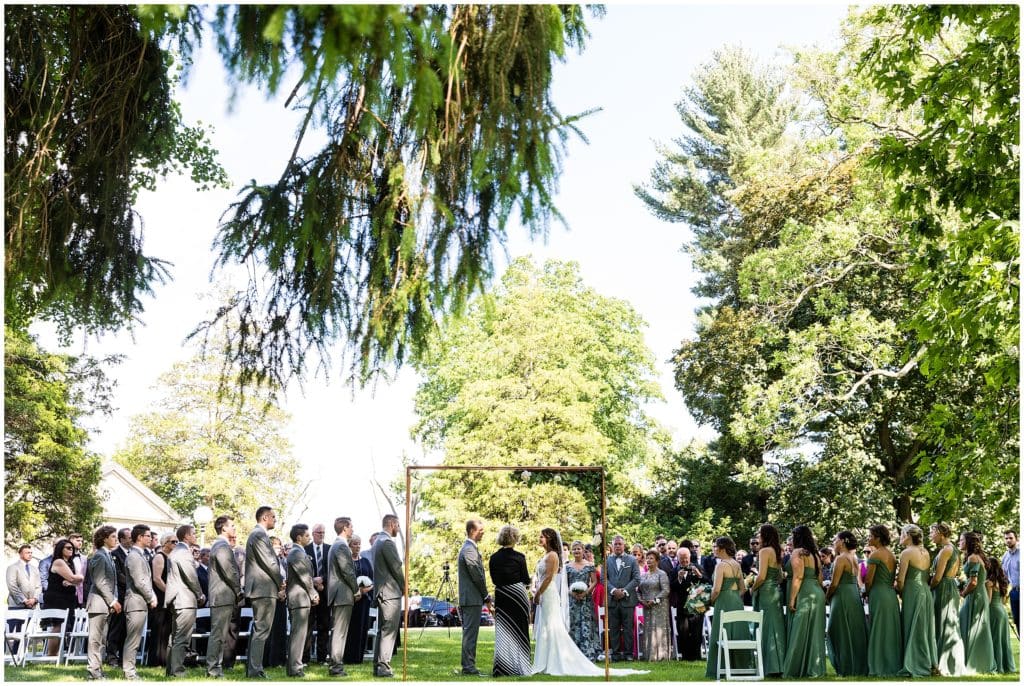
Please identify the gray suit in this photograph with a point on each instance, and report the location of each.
(22, 585)
(389, 587)
(472, 595)
(185, 595)
(225, 596)
(301, 596)
(622, 612)
(102, 596)
(262, 583)
(341, 590)
(138, 594)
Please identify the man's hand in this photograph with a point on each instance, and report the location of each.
(116, 608)
(201, 600)
(30, 602)
(152, 604)
(318, 583)
(280, 594)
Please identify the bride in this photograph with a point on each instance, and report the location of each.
(556, 653)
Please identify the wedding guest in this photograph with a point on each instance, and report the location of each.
(225, 596)
(342, 592)
(622, 574)
(184, 597)
(102, 600)
(389, 587)
(766, 597)
(920, 657)
(276, 653)
(23, 585)
(359, 625)
(263, 586)
(301, 597)
(805, 642)
(598, 595)
(653, 592)
(688, 624)
(726, 595)
(320, 615)
(582, 619)
(847, 630)
(637, 551)
(1011, 567)
(827, 557)
(946, 598)
(160, 616)
(998, 588)
(139, 598)
(885, 636)
(60, 593)
(116, 627)
(979, 655)
(511, 578)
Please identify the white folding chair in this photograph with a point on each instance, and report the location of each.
(244, 632)
(201, 613)
(38, 639)
(77, 648)
(705, 633)
(140, 657)
(371, 635)
(726, 645)
(674, 615)
(14, 636)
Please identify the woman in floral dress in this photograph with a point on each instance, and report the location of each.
(582, 618)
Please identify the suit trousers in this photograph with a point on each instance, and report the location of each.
(297, 638)
(341, 618)
(135, 622)
(116, 632)
(220, 622)
(470, 615)
(98, 623)
(388, 612)
(620, 627)
(159, 633)
(182, 627)
(262, 622)
(231, 641)
(319, 619)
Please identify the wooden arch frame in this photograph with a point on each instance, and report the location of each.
(527, 468)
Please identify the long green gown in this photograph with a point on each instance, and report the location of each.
(805, 640)
(999, 623)
(768, 599)
(947, 621)
(979, 657)
(728, 599)
(847, 630)
(885, 638)
(919, 652)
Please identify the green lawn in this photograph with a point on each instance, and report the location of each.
(433, 656)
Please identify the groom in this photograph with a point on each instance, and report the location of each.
(623, 575)
(472, 593)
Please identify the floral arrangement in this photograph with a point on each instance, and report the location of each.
(697, 599)
(579, 587)
(364, 582)
(749, 581)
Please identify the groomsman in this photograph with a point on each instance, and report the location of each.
(472, 593)
(225, 594)
(264, 587)
(102, 601)
(389, 586)
(623, 576)
(319, 616)
(301, 597)
(116, 627)
(342, 591)
(184, 597)
(139, 597)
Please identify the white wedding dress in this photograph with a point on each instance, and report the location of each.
(555, 652)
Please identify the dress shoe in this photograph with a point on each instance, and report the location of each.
(132, 677)
(95, 677)
(473, 671)
(384, 673)
(298, 674)
(257, 675)
(333, 671)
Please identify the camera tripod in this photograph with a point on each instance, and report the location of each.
(445, 592)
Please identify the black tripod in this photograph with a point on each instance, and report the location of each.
(445, 592)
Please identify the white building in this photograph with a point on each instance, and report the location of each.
(127, 502)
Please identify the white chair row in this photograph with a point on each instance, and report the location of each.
(25, 639)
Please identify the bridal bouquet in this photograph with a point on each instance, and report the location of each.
(579, 587)
(697, 600)
(364, 582)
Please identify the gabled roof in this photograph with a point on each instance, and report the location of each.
(118, 485)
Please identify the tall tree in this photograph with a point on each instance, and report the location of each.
(50, 476)
(547, 372)
(207, 443)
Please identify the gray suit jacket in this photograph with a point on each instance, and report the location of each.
(472, 583)
(341, 575)
(138, 592)
(300, 579)
(21, 586)
(262, 574)
(627, 577)
(183, 587)
(224, 585)
(388, 576)
(103, 575)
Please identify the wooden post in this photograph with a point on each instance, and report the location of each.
(405, 597)
(604, 557)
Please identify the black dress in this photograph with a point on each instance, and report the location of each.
(689, 626)
(511, 613)
(359, 627)
(159, 622)
(61, 597)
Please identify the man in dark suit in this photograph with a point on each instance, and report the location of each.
(203, 571)
(472, 593)
(320, 615)
(389, 586)
(116, 628)
(264, 586)
(623, 576)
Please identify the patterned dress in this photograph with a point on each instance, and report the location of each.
(511, 613)
(657, 632)
(582, 619)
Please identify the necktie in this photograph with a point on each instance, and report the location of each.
(27, 572)
(319, 568)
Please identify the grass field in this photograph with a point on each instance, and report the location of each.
(433, 656)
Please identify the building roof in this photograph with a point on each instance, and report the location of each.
(128, 501)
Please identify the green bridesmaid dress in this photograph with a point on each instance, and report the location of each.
(847, 630)
(947, 621)
(885, 639)
(805, 640)
(919, 653)
(728, 599)
(979, 657)
(768, 599)
(999, 624)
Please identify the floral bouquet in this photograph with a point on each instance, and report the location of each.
(364, 582)
(697, 600)
(749, 581)
(579, 587)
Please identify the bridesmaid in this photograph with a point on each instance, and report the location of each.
(979, 656)
(726, 594)
(920, 657)
(885, 637)
(945, 568)
(768, 599)
(847, 630)
(805, 641)
(582, 618)
(998, 587)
